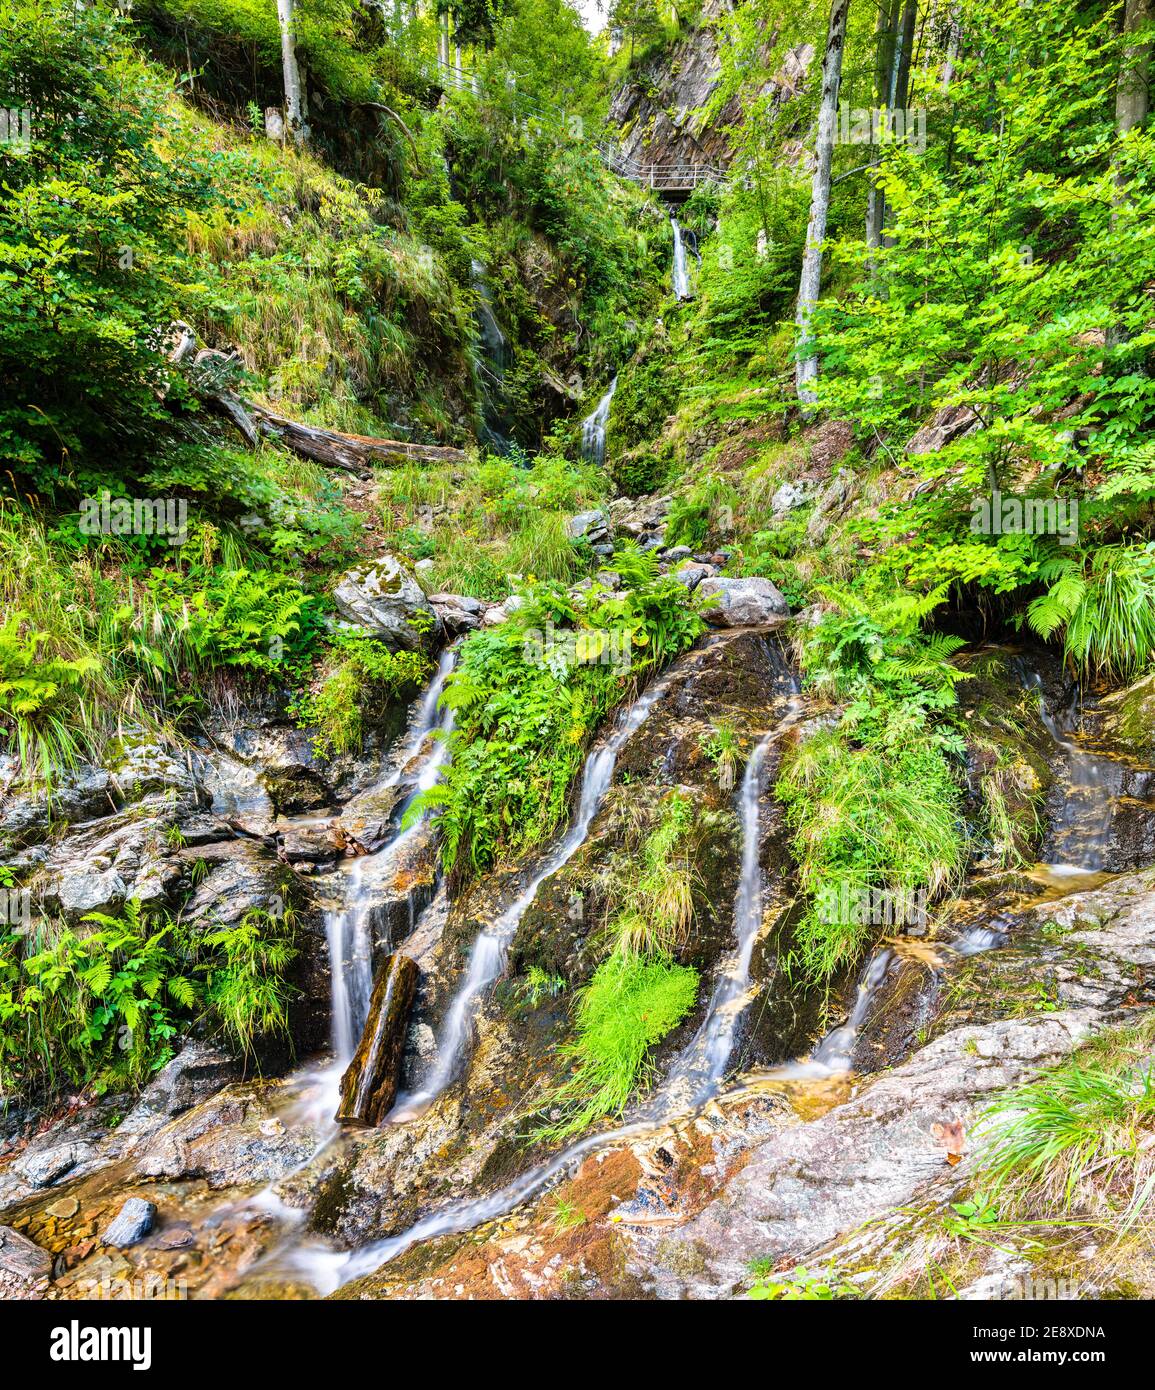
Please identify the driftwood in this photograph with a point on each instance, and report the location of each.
(356, 453)
(369, 1085)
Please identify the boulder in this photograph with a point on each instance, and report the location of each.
(131, 1224)
(692, 575)
(386, 600)
(742, 602)
(195, 1073)
(594, 527)
(457, 612)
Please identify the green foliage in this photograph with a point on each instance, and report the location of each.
(798, 1285)
(89, 226)
(630, 1004)
(246, 988)
(1103, 603)
(105, 1006)
(1077, 1141)
(365, 675)
(528, 697)
(657, 901)
(706, 508)
(101, 1008)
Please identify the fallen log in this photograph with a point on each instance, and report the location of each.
(369, 1085)
(356, 453)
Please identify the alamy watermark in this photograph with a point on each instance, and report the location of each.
(106, 515)
(881, 125)
(16, 909)
(16, 126)
(841, 905)
(1003, 515)
(561, 649)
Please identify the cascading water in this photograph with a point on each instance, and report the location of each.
(697, 1074)
(1081, 827)
(594, 428)
(493, 354)
(488, 959)
(681, 267)
(349, 926)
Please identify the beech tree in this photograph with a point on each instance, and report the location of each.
(806, 368)
(295, 111)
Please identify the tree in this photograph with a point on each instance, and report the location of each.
(295, 112)
(806, 369)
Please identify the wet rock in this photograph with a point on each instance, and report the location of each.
(27, 816)
(78, 891)
(313, 844)
(237, 876)
(457, 612)
(25, 1269)
(1127, 718)
(132, 1223)
(45, 1166)
(743, 603)
(387, 601)
(676, 553)
(197, 1072)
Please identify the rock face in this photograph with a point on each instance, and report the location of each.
(369, 1086)
(742, 603)
(386, 600)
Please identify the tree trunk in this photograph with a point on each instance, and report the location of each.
(294, 98)
(1131, 96)
(1132, 102)
(885, 43)
(355, 453)
(369, 1085)
(953, 44)
(810, 281)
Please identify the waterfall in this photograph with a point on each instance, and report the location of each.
(489, 952)
(594, 428)
(491, 384)
(681, 270)
(349, 927)
(699, 1071)
(1080, 830)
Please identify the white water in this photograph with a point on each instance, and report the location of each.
(697, 1074)
(489, 953)
(594, 428)
(681, 269)
(1081, 830)
(349, 928)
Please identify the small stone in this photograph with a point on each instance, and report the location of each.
(132, 1224)
(270, 1128)
(62, 1210)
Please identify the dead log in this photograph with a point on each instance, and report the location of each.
(356, 453)
(369, 1085)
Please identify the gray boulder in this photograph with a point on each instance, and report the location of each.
(742, 603)
(386, 600)
(457, 612)
(132, 1223)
